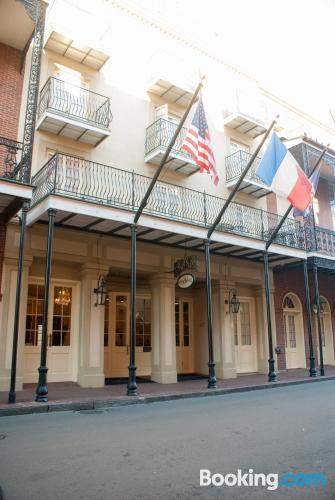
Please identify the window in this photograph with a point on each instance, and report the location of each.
(61, 321)
(176, 308)
(288, 303)
(121, 321)
(143, 323)
(291, 341)
(106, 323)
(245, 323)
(34, 316)
(186, 323)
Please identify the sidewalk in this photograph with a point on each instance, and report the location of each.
(71, 397)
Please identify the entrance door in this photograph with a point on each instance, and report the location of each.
(184, 336)
(327, 337)
(116, 336)
(245, 337)
(60, 360)
(294, 333)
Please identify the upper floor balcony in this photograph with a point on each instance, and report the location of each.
(246, 114)
(74, 112)
(324, 241)
(14, 178)
(235, 164)
(16, 24)
(157, 139)
(76, 180)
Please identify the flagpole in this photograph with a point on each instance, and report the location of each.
(132, 385)
(207, 243)
(272, 376)
(280, 224)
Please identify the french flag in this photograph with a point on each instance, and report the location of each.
(279, 170)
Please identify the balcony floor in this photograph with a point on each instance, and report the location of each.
(76, 130)
(250, 187)
(175, 162)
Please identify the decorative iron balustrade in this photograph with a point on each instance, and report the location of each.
(236, 163)
(93, 182)
(11, 159)
(324, 241)
(159, 134)
(69, 100)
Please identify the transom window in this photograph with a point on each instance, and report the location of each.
(288, 303)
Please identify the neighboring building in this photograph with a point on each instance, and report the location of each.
(107, 111)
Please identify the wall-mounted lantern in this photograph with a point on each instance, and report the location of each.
(101, 291)
(233, 302)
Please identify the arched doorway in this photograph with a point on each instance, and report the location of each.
(326, 333)
(293, 332)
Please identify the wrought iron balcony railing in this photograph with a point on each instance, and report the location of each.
(324, 241)
(159, 134)
(62, 98)
(11, 160)
(93, 182)
(236, 163)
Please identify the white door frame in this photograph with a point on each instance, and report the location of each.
(328, 348)
(253, 332)
(185, 354)
(35, 351)
(294, 356)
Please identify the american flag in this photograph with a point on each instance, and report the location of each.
(197, 142)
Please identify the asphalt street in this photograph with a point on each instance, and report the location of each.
(156, 451)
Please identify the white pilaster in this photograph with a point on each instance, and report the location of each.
(163, 329)
(223, 332)
(91, 329)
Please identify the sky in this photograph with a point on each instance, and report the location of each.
(287, 45)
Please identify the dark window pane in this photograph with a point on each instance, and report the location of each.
(40, 291)
(57, 322)
(120, 340)
(177, 341)
(147, 340)
(66, 324)
(56, 338)
(186, 341)
(106, 340)
(66, 339)
(32, 291)
(139, 340)
(147, 329)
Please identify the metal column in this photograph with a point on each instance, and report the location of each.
(42, 388)
(12, 393)
(317, 298)
(312, 369)
(211, 364)
(272, 376)
(132, 386)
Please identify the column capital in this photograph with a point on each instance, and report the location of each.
(13, 261)
(162, 278)
(93, 270)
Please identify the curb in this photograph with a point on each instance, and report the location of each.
(22, 409)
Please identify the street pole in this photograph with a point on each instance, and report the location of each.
(317, 298)
(272, 376)
(132, 385)
(207, 243)
(312, 369)
(42, 388)
(23, 219)
(211, 364)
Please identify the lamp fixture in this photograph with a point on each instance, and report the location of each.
(63, 297)
(323, 304)
(101, 291)
(233, 302)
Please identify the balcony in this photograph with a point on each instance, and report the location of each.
(84, 180)
(14, 180)
(235, 164)
(16, 26)
(246, 114)
(70, 111)
(157, 139)
(325, 241)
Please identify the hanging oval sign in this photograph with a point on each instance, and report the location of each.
(186, 280)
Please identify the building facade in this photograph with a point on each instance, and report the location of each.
(106, 112)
